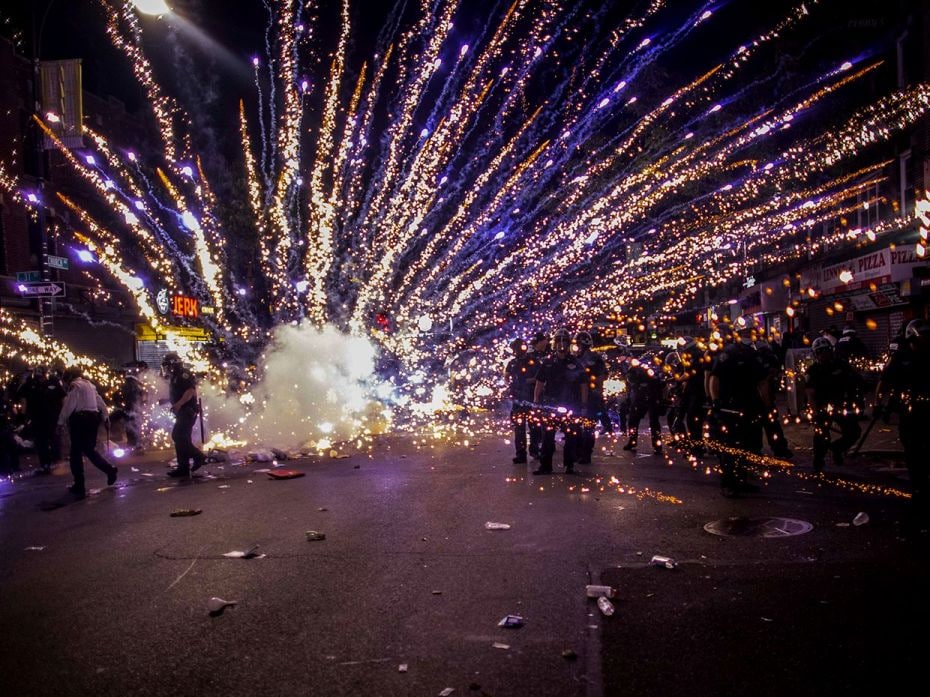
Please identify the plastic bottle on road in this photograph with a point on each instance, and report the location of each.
(606, 607)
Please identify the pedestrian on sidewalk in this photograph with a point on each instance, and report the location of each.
(83, 411)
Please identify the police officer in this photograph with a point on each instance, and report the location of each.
(562, 389)
(539, 348)
(521, 373)
(694, 362)
(83, 410)
(131, 397)
(909, 374)
(850, 346)
(182, 387)
(644, 384)
(834, 391)
(43, 394)
(771, 424)
(595, 369)
(737, 386)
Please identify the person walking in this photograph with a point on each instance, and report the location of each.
(562, 388)
(909, 375)
(44, 395)
(737, 386)
(83, 411)
(834, 391)
(182, 389)
(595, 369)
(645, 385)
(521, 373)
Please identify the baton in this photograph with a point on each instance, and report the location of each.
(200, 409)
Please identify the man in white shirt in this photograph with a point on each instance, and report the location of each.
(83, 410)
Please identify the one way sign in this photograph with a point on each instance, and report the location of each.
(48, 288)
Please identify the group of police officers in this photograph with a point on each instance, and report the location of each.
(717, 396)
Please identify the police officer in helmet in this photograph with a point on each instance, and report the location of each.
(182, 388)
(521, 373)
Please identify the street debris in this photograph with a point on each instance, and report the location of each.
(285, 474)
(496, 526)
(861, 519)
(437, 592)
(315, 536)
(402, 668)
(569, 655)
(593, 591)
(448, 691)
(766, 619)
(260, 456)
(34, 549)
(223, 486)
(842, 525)
(659, 560)
(250, 553)
(606, 607)
(511, 622)
(322, 509)
(216, 605)
(185, 512)
(499, 645)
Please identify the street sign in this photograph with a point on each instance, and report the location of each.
(28, 276)
(57, 262)
(48, 289)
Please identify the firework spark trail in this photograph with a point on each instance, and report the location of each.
(490, 180)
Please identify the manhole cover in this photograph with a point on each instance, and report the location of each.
(758, 527)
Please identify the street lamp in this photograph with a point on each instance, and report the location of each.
(152, 7)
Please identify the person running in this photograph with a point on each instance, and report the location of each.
(83, 411)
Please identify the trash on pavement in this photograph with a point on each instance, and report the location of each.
(496, 526)
(861, 518)
(569, 655)
(185, 512)
(223, 486)
(260, 456)
(315, 536)
(402, 668)
(448, 691)
(606, 607)
(593, 591)
(659, 560)
(216, 605)
(842, 525)
(250, 553)
(437, 592)
(285, 474)
(499, 645)
(34, 549)
(511, 622)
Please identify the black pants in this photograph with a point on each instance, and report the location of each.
(571, 448)
(9, 451)
(774, 433)
(82, 427)
(849, 433)
(640, 408)
(183, 444)
(739, 431)
(914, 438)
(43, 437)
(524, 424)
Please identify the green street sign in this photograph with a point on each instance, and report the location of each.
(28, 276)
(58, 262)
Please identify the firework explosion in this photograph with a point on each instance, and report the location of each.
(481, 183)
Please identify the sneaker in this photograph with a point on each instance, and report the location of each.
(178, 472)
(543, 470)
(519, 460)
(111, 476)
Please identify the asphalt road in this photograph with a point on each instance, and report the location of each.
(114, 600)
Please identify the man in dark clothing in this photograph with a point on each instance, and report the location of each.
(595, 372)
(182, 388)
(834, 391)
(44, 396)
(562, 389)
(644, 384)
(521, 373)
(850, 346)
(694, 364)
(130, 399)
(771, 424)
(909, 376)
(539, 349)
(737, 387)
(9, 449)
